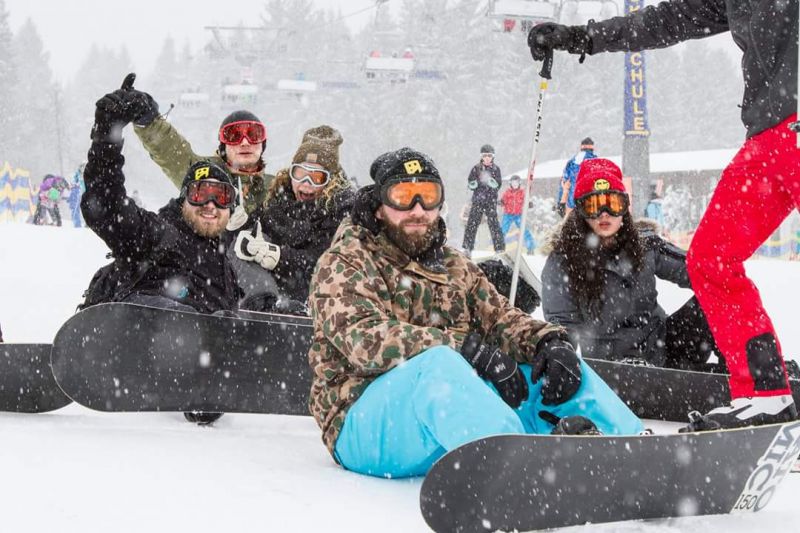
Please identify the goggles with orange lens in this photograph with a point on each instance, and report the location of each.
(236, 132)
(404, 193)
(592, 205)
(201, 192)
(317, 177)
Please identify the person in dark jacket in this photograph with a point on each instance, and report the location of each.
(761, 180)
(305, 204)
(600, 281)
(182, 245)
(484, 182)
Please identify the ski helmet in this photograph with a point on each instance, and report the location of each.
(239, 116)
(487, 149)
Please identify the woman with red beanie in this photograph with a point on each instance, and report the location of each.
(600, 280)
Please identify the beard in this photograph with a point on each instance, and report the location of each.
(208, 228)
(412, 244)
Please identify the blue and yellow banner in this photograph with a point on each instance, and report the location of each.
(16, 194)
(636, 123)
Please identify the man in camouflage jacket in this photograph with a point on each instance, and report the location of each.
(401, 325)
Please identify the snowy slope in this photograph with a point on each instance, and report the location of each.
(76, 470)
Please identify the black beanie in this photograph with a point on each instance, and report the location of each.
(587, 144)
(403, 163)
(487, 149)
(205, 170)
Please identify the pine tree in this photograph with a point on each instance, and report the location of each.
(9, 111)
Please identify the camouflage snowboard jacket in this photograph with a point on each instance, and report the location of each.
(373, 308)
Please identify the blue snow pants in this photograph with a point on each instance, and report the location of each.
(516, 220)
(412, 415)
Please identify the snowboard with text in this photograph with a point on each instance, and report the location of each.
(529, 482)
(126, 357)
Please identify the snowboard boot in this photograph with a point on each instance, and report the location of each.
(570, 425)
(202, 418)
(743, 412)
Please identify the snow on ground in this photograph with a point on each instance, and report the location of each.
(77, 470)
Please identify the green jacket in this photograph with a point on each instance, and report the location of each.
(174, 155)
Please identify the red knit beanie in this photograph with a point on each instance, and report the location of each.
(598, 175)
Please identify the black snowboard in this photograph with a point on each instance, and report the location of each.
(125, 357)
(527, 482)
(668, 394)
(26, 381)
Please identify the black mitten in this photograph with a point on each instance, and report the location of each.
(557, 361)
(497, 367)
(551, 36)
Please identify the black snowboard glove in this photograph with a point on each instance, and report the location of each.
(551, 36)
(497, 367)
(556, 361)
(142, 107)
(112, 114)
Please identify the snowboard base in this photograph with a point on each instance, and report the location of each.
(27, 384)
(127, 357)
(529, 482)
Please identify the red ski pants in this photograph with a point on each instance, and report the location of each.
(756, 192)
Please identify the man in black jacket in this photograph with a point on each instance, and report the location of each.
(179, 251)
(484, 181)
(756, 191)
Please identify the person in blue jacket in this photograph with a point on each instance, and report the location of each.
(565, 199)
(76, 191)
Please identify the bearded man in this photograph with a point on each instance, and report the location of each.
(415, 352)
(178, 253)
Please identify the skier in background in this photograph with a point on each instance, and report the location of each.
(512, 201)
(565, 197)
(756, 191)
(414, 351)
(50, 192)
(484, 182)
(76, 190)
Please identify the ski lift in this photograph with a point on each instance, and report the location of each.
(527, 13)
(579, 12)
(523, 13)
(240, 95)
(391, 69)
(194, 104)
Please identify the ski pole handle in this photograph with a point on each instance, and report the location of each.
(547, 65)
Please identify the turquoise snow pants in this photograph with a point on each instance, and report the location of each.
(412, 415)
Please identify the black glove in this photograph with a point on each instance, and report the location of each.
(142, 108)
(112, 114)
(497, 367)
(551, 36)
(557, 361)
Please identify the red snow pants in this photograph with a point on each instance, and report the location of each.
(756, 192)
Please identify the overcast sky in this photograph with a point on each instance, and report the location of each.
(69, 27)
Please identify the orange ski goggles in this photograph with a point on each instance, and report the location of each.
(593, 205)
(404, 193)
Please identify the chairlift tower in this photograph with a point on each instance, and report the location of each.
(636, 141)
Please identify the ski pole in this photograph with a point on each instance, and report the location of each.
(544, 75)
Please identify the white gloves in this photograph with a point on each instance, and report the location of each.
(239, 215)
(238, 218)
(251, 246)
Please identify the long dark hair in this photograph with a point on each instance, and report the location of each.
(585, 257)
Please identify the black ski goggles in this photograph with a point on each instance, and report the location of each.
(593, 205)
(199, 193)
(404, 193)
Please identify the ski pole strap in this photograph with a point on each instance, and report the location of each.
(547, 65)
